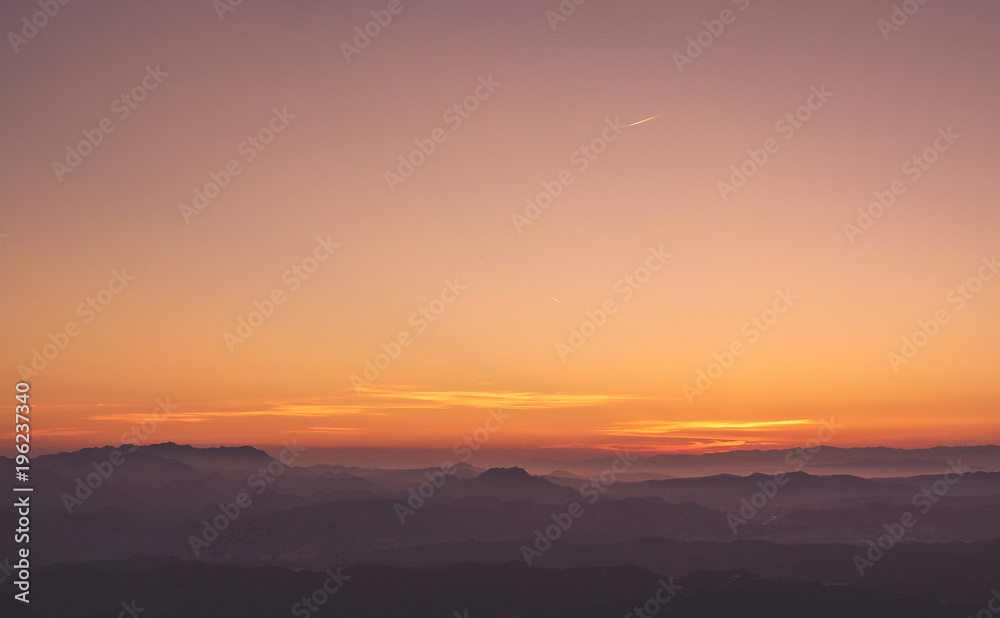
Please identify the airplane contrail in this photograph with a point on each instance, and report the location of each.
(646, 120)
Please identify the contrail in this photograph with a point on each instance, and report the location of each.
(646, 120)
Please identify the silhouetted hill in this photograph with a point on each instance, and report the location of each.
(221, 457)
(504, 475)
(186, 590)
(507, 484)
(146, 510)
(962, 572)
(859, 461)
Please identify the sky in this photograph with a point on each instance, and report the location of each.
(280, 227)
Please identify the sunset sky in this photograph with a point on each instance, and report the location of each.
(507, 290)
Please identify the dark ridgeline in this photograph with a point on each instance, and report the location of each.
(723, 544)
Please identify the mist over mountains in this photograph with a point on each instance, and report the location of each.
(168, 518)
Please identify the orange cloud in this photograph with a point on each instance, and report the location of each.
(667, 428)
(503, 399)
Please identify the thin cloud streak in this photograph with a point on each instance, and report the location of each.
(668, 428)
(505, 399)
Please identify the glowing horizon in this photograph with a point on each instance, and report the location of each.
(373, 247)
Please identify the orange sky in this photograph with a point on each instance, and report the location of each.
(373, 252)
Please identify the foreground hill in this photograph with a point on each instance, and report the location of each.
(163, 522)
(502, 591)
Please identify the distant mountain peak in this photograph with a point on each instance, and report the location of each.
(506, 475)
(168, 446)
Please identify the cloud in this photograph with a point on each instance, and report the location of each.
(61, 431)
(649, 428)
(503, 399)
(235, 410)
(325, 430)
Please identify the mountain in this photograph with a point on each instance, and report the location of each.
(222, 457)
(226, 458)
(509, 484)
(858, 461)
(796, 546)
(963, 573)
(370, 591)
